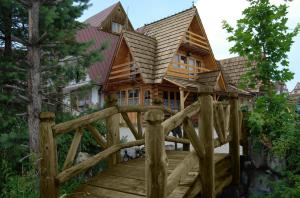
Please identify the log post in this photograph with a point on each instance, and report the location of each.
(113, 131)
(186, 147)
(207, 139)
(48, 162)
(156, 158)
(234, 144)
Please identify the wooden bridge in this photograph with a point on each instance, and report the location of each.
(159, 173)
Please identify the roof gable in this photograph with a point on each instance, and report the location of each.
(99, 70)
(142, 49)
(97, 19)
(168, 33)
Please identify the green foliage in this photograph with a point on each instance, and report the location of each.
(262, 35)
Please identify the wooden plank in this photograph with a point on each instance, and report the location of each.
(73, 149)
(122, 65)
(156, 158)
(181, 171)
(121, 184)
(48, 161)
(94, 191)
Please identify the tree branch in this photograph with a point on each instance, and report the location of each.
(25, 3)
(14, 87)
(19, 40)
(51, 2)
(43, 37)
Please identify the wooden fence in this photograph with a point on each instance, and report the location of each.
(224, 117)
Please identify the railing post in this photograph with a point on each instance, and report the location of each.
(234, 145)
(186, 147)
(156, 158)
(113, 131)
(206, 137)
(48, 162)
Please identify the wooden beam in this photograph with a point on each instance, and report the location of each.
(92, 161)
(234, 144)
(48, 162)
(139, 124)
(206, 138)
(217, 124)
(178, 118)
(193, 137)
(113, 132)
(156, 158)
(73, 149)
(84, 120)
(97, 136)
(130, 126)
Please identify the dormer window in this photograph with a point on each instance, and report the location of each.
(116, 27)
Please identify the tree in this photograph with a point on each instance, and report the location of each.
(42, 40)
(262, 35)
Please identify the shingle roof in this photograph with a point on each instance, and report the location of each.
(296, 90)
(99, 70)
(233, 69)
(209, 78)
(168, 33)
(97, 19)
(143, 52)
(205, 79)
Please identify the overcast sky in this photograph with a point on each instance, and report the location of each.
(212, 13)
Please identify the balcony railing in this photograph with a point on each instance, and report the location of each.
(183, 70)
(123, 71)
(196, 40)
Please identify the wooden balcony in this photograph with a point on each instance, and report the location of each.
(186, 71)
(123, 71)
(195, 43)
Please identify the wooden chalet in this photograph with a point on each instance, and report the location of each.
(168, 59)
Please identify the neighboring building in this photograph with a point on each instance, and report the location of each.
(103, 28)
(294, 96)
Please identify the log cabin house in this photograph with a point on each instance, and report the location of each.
(168, 59)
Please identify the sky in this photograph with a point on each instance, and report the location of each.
(212, 13)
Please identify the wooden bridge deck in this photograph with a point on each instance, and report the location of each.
(127, 179)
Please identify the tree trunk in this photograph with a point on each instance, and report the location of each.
(7, 25)
(34, 96)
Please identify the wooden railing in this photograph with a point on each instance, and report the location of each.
(158, 184)
(183, 70)
(125, 70)
(196, 40)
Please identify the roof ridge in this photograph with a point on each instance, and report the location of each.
(136, 32)
(193, 7)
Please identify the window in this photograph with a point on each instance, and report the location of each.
(116, 27)
(171, 100)
(147, 99)
(133, 96)
(176, 60)
(121, 96)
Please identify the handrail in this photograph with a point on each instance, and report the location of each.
(92, 161)
(90, 118)
(178, 118)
